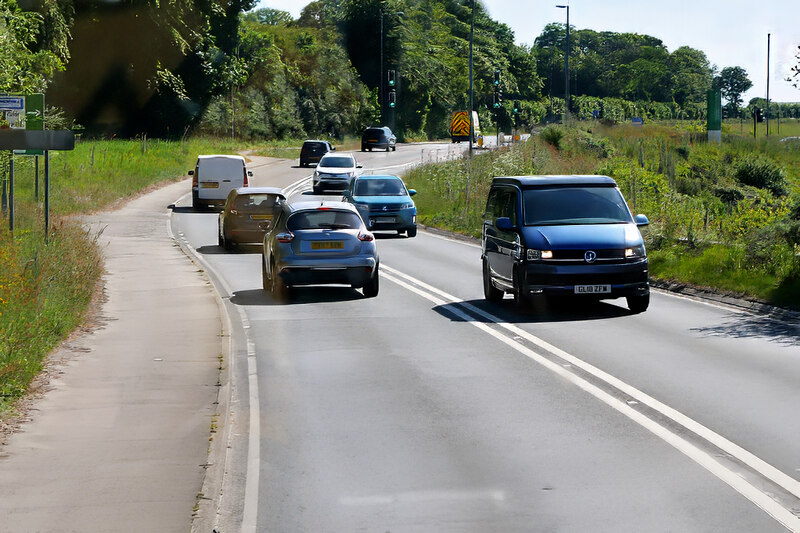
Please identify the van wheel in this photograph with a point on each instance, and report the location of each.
(490, 292)
(638, 304)
(412, 232)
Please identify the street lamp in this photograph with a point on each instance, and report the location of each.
(566, 69)
(471, 93)
(381, 73)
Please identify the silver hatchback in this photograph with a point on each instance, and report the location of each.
(319, 243)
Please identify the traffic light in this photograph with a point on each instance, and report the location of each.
(392, 99)
(759, 114)
(496, 78)
(390, 75)
(495, 101)
(516, 107)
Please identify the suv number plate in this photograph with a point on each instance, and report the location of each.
(592, 289)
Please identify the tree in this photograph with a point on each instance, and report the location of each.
(794, 78)
(732, 83)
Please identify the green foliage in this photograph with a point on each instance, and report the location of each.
(732, 83)
(33, 46)
(552, 135)
(761, 172)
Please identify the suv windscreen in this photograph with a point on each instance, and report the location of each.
(574, 205)
(336, 162)
(324, 219)
(389, 187)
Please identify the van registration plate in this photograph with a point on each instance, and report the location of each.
(592, 289)
(209, 184)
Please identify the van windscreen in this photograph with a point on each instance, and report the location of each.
(574, 205)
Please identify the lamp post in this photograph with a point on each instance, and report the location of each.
(566, 68)
(471, 95)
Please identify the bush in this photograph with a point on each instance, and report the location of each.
(762, 173)
(552, 135)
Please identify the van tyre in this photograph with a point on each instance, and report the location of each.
(490, 292)
(411, 232)
(638, 304)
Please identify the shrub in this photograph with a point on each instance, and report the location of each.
(762, 173)
(552, 135)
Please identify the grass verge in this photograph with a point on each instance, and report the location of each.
(45, 288)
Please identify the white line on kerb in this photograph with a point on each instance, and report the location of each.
(784, 516)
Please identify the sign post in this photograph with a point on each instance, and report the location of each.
(714, 100)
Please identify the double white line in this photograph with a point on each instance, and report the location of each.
(770, 489)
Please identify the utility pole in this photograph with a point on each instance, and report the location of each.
(566, 69)
(471, 95)
(768, 36)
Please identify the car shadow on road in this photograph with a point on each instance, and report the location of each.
(191, 210)
(739, 326)
(297, 295)
(536, 312)
(215, 249)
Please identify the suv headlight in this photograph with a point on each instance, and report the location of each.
(361, 206)
(537, 255)
(407, 205)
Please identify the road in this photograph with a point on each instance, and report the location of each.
(429, 409)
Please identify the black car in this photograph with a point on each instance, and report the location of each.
(313, 150)
(378, 138)
(563, 236)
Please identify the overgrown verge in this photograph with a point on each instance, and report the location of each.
(45, 288)
(721, 216)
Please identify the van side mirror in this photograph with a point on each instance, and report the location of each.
(641, 220)
(504, 224)
(250, 173)
(191, 172)
(359, 166)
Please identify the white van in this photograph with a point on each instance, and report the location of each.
(214, 176)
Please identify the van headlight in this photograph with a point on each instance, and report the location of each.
(635, 252)
(537, 255)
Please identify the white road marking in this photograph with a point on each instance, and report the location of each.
(250, 513)
(763, 500)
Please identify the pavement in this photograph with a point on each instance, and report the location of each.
(121, 439)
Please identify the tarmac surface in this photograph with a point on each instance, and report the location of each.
(120, 440)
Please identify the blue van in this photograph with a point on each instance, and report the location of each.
(563, 235)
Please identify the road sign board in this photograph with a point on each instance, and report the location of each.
(12, 103)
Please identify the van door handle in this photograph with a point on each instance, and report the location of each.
(226, 181)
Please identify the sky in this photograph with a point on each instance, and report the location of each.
(730, 32)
